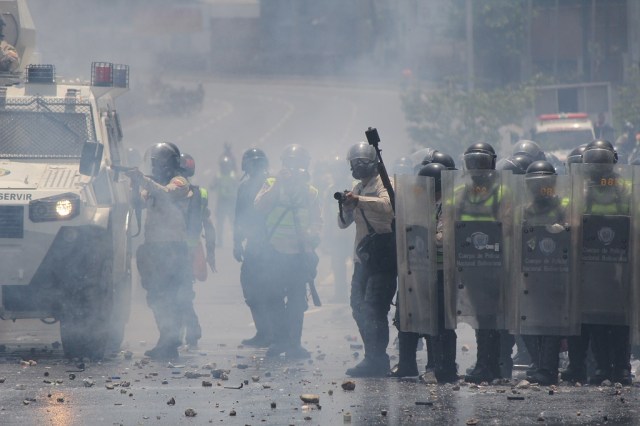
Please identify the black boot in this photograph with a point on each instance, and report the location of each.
(507, 341)
(547, 372)
(370, 367)
(487, 364)
(446, 370)
(577, 369)
(431, 355)
(407, 366)
(601, 343)
(621, 347)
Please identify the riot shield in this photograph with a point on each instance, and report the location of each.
(545, 293)
(477, 239)
(603, 196)
(635, 273)
(415, 236)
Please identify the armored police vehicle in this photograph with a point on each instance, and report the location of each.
(64, 213)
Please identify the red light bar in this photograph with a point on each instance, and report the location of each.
(563, 116)
(102, 74)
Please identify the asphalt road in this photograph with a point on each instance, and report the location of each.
(126, 389)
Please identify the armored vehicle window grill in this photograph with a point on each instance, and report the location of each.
(11, 221)
(39, 127)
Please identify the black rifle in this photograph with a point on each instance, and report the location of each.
(373, 139)
(136, 198)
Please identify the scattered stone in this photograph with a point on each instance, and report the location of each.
(206, 384)
(424, 403)
(465, 348)
(473, 421)
(232, 413)
(128, 355)
(21, 387)
(190, 412)
(60, 399)
(2, 379)
(273, 405)
(606, 383)
(46, 374)
(192, 375)
(540, 418)
(88, 383)
(311, 398)
(551, 391)
(109, 386)
(255, 379)
(617, 385)
(524, 384)
(578, 413)
(455, 387)
(346, 418)
(515, 398)
(242, 366)
(307, 418)
(383, 412)
(165, 382)
(356, 354)
(349, 385)
(172, 401)
(355, 347)
(321, 357)
(330, 392)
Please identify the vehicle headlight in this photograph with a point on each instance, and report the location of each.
(59, 207)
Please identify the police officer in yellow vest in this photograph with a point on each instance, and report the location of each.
(480, 202)
(293, 220)
(545, 304)
(606, 279)
(163, 259)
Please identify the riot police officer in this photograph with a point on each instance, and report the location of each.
(606, 279)
(292, 214)
(477, 204)
(444, 343)
(249, 244)
(546, 207)
(373, 284)
(440, 157)
(163, 259)
(528, 148)
(224, 185)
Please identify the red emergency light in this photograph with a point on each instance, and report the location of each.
(102, 74)
(563, 116)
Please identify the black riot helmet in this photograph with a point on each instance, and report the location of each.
(444, 159)
(363, 160)
(480, 156)
(403, 166)
(187, 165)
(600, 152)
(226, 164)
(528, 148)
(254, 161)
(434, 170)
(295, 157)
(516, 163)
(163, 159)
(575, 156)
(540, 179)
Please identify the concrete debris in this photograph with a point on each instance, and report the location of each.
(310, 398)
(190, 412)
(349, 385)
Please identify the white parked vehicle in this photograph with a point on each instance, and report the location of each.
(64, 212)
(558, 134)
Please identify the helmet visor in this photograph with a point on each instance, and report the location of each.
(541, 185)
(601, 156)
(478, 161)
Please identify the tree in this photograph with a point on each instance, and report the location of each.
(450, 119)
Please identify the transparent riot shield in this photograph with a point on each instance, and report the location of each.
(545, 293)
(603, 195)
(415, 234)
(477, 242)
(635, 273)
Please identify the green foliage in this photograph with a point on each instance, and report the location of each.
(450, 119)
(628, 106)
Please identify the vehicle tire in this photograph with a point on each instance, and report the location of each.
(84, 323)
